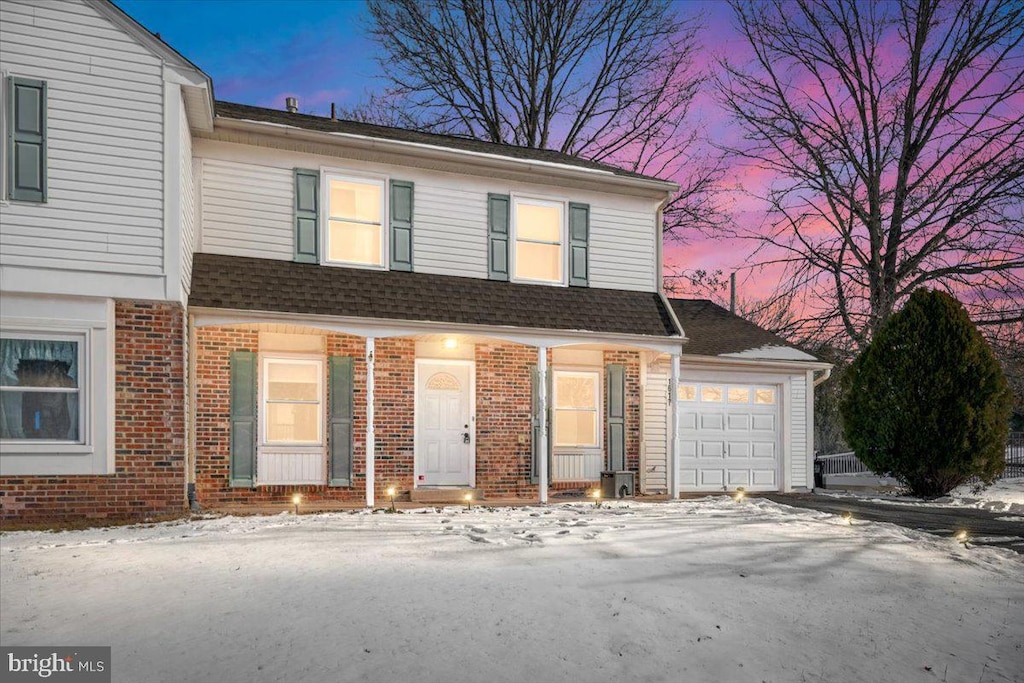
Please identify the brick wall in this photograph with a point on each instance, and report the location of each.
(502, 427)
(631, 360)
(149, 476)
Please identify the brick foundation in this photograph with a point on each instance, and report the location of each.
(149, 476)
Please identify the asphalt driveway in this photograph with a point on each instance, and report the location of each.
(1000, 529)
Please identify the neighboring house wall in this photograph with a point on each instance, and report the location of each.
(149, 474)
(247, 209)
(104, 207)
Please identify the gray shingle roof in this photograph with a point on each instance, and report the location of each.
(245, 112)
(243, 283)
(714, 331)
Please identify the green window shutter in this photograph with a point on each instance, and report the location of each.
(535, 423)
(307, 216)
(401, 225)
(579, 238)
(26, 140)
(615, 376)
(497, 236)
(340, 379)
(243, 418)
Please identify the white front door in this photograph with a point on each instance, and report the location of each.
(445, 436)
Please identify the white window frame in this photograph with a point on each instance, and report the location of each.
(325, 221)
(598, 408)
(563, 235)
(59, 446)
(264, 400)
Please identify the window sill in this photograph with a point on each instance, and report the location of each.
(44, 448)
(352, 264)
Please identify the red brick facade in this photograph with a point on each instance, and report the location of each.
(149, 443)
(503, 408)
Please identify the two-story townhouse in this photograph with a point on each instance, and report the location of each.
(370, 310)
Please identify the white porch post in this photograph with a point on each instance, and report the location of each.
(542, 407)
(370, 440)
(673, 447)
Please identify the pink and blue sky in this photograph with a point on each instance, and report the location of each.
(260, 51)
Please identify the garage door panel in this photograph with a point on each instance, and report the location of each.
(711, 477)
(728, 439)
(739, 449)
(715, 421)
(739, 477)
(738, 422)
(712, 449)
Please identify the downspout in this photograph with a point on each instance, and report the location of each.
(190, 414)
(826, 373)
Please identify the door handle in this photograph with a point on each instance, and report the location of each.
(465, 437)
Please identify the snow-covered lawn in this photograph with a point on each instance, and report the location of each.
(697, 590)
(1005, 495)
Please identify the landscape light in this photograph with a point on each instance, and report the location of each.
(962, 537)
(296, 499)
(469, 501)
(848, 517)
(596, 495)
(391, 495)
(740, 494)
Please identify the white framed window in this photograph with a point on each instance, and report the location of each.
(577, 408)
(292, 401)
(356, 215)
(42, 382)
(538, 240)
(739, 395)
(765, 397)
(687, 392)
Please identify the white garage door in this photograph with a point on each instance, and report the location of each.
(729, 436)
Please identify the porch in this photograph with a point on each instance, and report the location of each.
(338, 414)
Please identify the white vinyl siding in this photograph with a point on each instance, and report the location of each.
(251, 212)
(798, 431)
(656, 416)
(622, 248)
(188, 203)
(104, 208)
(247, 210)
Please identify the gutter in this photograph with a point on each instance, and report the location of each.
(791, 365)
(826, 373)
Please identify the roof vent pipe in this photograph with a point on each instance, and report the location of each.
(291, 104)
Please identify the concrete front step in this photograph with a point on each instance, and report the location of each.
(442, 495)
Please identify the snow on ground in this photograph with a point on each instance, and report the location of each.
(1005, 495)
(706, 589)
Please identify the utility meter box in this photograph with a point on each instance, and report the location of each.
(617, 484)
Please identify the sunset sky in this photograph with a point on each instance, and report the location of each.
(261, 51)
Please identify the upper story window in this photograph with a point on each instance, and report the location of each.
(355, 221)
(539, 229)
(41, 389)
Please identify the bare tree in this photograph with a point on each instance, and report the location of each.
(897, 131)
(610, 81)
